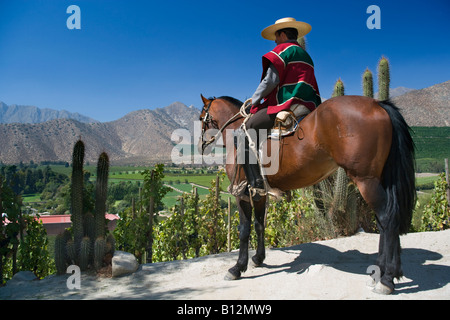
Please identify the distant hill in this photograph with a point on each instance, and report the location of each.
(399, 91)
(429, 107)
(30, 114)
(395, 92)
(141, 136)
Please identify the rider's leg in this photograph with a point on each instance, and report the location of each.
(260, 120)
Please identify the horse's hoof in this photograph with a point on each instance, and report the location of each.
(229, 276)
(256, 262)
(382, 289)
(233, 273)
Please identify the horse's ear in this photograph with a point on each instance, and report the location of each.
(205, 101)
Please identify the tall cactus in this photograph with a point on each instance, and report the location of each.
(338, 88)
(101, 190)
(88, 247)
(85, 252)
(71, 252)
(332, 196)
(89, 226)
(60, 254)
(367, 83)
(340, 190)
(110, 244)
(77, 193)
(383, 79)
(99, 252)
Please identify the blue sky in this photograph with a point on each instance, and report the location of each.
(130, 55)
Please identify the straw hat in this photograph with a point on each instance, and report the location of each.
(302, 27)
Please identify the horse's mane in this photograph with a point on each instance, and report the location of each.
(232, 100)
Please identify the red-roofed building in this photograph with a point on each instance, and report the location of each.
(55, 224)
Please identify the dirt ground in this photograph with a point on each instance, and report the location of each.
(333, 269)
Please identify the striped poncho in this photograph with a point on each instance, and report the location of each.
(297, 80)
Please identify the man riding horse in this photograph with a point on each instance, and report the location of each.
(287, 83)
(366, 137)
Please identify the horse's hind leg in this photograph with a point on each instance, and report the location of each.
(389, 245)
(389, 254)
(245, 218)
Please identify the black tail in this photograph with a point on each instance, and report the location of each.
(399, 170)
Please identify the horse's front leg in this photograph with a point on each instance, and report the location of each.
(260, 211)
(245, 217)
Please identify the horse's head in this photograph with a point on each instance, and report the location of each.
(207, 122)
(217, 114)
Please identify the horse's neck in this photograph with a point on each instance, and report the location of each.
(228, 113)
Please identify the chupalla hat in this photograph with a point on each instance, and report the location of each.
(302, 27)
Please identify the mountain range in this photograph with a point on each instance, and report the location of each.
(31, 114)
(139, 137)
(144, 136)
(429, 107)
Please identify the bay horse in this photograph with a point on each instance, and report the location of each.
(368, 138)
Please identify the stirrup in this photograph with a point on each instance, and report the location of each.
(255, 192)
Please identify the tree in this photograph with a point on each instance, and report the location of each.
(23, 241)
(436, 214)
(153, 191)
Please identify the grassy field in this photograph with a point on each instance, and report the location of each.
(432, 147)
(180, 181)
(113, 170)
(432, 142)
(118, 174)
(420, 181)
(33, 197)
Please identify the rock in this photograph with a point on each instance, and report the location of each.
(24, 276)
(123, 263)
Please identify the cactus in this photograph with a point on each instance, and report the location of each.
(71, 252)
(383, 79)
(60, 254)
(101, 190)
(338, 88)
(368, 83)
(352, 208)
(340, 190)
(89, 226)
(88, 246)
(77, 193)
(67, 235)
(110, 244)
(336, 199)
(85, 252)
(99, 252)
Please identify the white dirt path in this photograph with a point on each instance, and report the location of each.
(333, 269)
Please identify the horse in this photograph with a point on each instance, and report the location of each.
(368, 138)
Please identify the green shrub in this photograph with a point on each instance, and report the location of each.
(436, 214)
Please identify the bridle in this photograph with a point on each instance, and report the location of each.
(208, 120)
